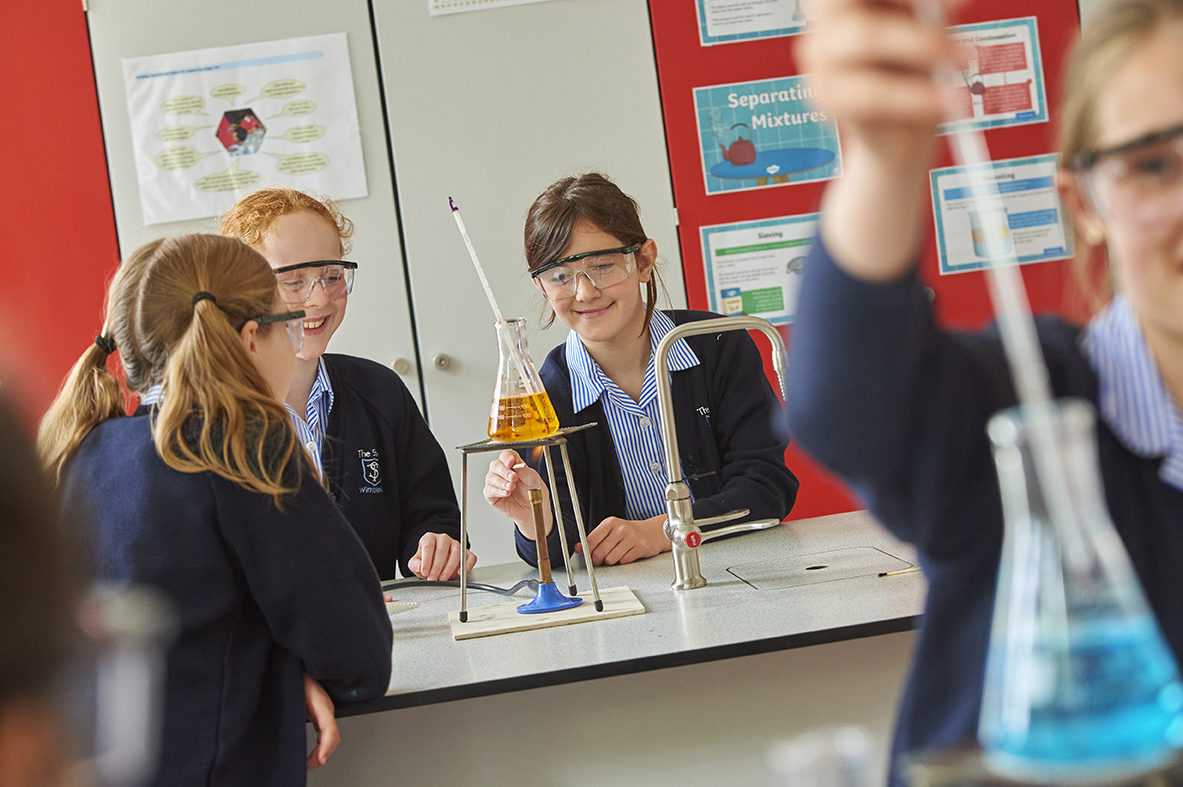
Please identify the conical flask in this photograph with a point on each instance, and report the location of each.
(521, 408)
(1080, 685)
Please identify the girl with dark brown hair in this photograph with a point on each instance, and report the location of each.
(589, 257)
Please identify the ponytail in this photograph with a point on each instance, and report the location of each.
(175, 309)
(89, 396)
(216, 415)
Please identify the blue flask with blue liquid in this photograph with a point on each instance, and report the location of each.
(1080, 686)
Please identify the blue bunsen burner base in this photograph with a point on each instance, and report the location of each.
(549, 599)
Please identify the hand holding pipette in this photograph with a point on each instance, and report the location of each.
(872, 64)
(889, 90)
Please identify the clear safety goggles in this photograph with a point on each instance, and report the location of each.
(293, 321)
(602, 268)
(1138, 182)
(296, 282)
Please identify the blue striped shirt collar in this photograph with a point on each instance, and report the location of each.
(588, 382)
(154, 395)
(311, 428)
(322, 394)
(1132, 397)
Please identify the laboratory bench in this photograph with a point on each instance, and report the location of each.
(804, 583)
(796, 629)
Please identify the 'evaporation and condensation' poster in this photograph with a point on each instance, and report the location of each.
(729, 21)
(212, 124)
(1004, 79)
(754, 267)
(764, 133)
(1023, 223)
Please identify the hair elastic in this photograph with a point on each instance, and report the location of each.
(203, 296)
(105, 343)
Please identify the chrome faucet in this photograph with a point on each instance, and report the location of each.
(680, 527)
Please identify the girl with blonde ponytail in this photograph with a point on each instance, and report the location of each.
(196, 354)
(205, 493)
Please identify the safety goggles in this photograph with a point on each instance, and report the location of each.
(602, 268)
(294, 321)
(1137, 182)
(296, 282)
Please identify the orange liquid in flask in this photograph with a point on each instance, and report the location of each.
(522, 417)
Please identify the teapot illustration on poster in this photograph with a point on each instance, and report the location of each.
(740, 149)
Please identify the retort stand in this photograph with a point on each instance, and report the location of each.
(558, 439)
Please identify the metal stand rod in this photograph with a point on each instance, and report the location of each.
(463, 538)
(557, 510)
(587, 557)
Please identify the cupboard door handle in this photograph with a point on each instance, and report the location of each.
(442, 362)
(401, 366)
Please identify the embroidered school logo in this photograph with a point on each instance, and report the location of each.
(371, 470)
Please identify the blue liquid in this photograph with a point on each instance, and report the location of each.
(1117, 709)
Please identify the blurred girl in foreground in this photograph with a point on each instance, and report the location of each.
(899, 407)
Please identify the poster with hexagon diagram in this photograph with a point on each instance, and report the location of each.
(213, 124)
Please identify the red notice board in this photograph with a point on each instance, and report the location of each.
(57, 225)
(749, 161)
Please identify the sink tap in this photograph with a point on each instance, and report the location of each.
(680, 527)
